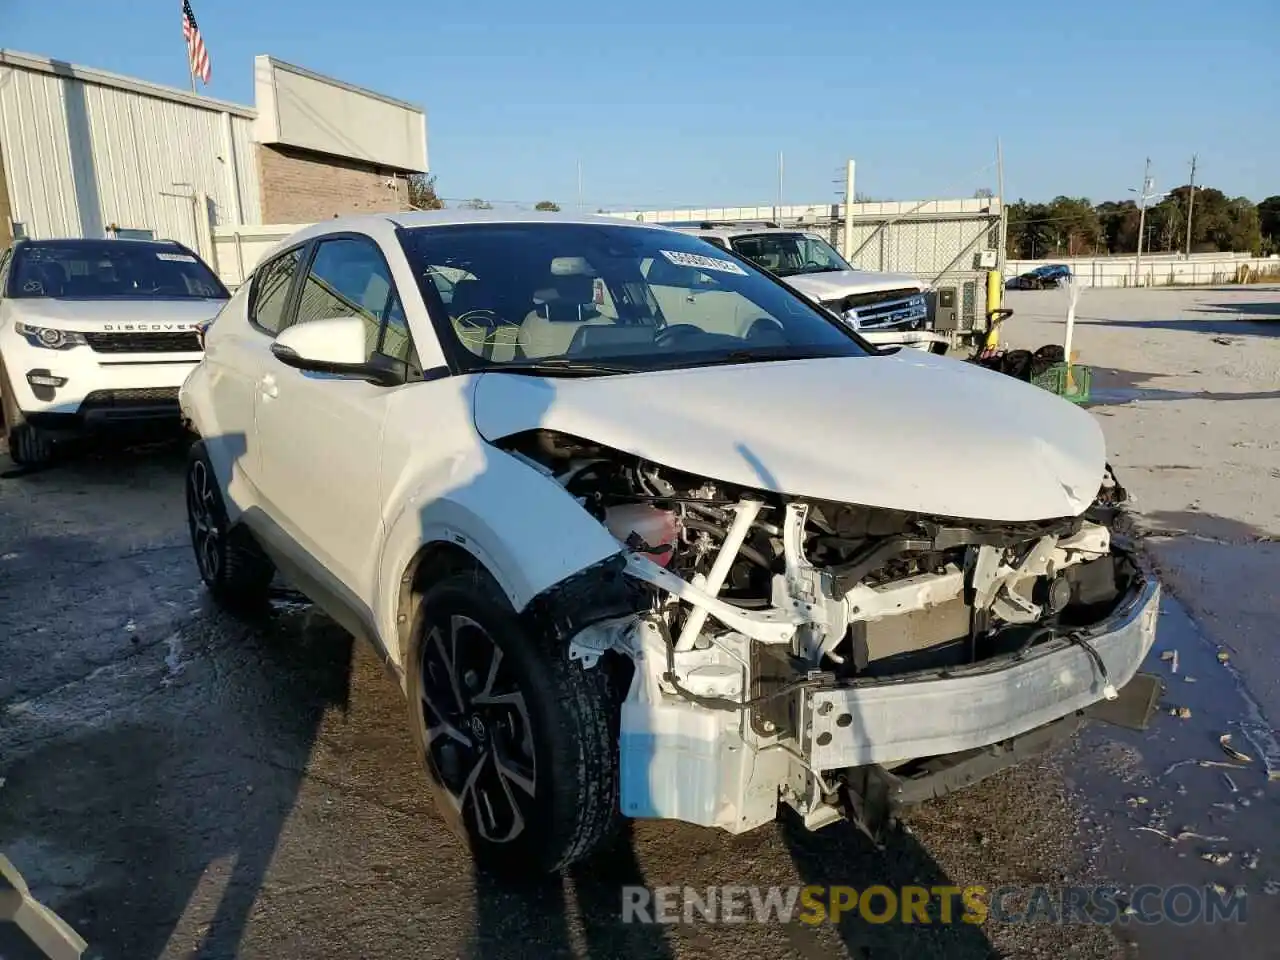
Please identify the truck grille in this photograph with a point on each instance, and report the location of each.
(178, 341)
(884, 309)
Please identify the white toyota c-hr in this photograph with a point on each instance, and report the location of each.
(643, 533)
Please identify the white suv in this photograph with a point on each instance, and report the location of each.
(97, 333)
(641, 532)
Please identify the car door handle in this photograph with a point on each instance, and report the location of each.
(268, 387)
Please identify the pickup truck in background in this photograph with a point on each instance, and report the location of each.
(888, 309)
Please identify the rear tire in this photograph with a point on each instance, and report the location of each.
(231, 564)
(519, 742)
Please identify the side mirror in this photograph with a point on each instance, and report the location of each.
(336, 346)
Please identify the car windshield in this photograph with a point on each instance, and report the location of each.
(112, 270)
(593, 298)
(788, 254)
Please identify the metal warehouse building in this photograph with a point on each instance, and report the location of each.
(88, 153)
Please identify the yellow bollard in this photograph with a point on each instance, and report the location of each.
(995, 293)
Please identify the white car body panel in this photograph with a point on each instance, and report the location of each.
(457, 489)
(813, 428)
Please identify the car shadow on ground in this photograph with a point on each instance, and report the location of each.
(102, 459)
(1114, 387)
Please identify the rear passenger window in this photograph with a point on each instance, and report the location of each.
(271, 291)
(348, 278)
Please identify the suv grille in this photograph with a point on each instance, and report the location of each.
(178, 341)
(133, 396)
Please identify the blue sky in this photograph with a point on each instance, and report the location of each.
(680, 103)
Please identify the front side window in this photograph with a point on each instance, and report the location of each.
(113, 270)
(788, 254)
(271, 291)
(633, 298)
(349, 278)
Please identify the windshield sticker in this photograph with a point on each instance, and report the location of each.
(176, 257)
(701, 262)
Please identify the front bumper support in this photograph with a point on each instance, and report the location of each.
(895, 719)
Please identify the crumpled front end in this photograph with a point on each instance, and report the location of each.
(788, 646)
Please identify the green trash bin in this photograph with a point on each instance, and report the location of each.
(1069, 381)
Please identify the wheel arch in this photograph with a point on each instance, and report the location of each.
(518, 525)
(434, 561)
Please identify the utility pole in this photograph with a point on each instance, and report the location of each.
(579, 186)
(1143, 195)
(848, 210)
(1191, 202)
(1004, 216)
(778, 217)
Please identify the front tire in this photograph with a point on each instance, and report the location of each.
(520, 743)
(28, 446)
(231, 564)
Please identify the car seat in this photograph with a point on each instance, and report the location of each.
(562, 308)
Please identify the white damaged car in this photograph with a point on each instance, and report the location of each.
(642, 533)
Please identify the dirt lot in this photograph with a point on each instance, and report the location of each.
(178, 783)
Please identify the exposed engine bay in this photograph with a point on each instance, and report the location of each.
(765, 615)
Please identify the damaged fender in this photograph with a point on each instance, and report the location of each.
(528, 542)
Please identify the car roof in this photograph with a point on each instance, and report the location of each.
(413, 219)
(74, 242)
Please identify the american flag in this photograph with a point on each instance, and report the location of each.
(197, 55)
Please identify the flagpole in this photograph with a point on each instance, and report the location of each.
(192, 75)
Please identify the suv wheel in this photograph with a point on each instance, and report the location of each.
(520, 743)
(28, 446)
(231, 564)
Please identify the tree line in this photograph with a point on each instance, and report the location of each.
(1075, 226)
(423, 196)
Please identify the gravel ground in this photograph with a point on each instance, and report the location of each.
(178, 783)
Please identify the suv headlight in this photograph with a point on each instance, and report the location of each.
(48, 337)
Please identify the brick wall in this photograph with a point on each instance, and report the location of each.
(298, 186)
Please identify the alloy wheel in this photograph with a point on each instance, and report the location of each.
(478, 730)
(206, 533)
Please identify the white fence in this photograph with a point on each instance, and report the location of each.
(1158, 270)
(237, 250)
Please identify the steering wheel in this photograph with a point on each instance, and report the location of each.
(676, 332)
(814, 264)
(475, 327)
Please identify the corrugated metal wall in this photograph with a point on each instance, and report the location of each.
(80, 156)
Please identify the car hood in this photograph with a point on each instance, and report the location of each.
(122, 315)
(910, 431)
(842, 283)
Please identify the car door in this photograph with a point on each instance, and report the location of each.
(237, 355)
(321, 434)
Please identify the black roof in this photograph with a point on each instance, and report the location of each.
(90, 243)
